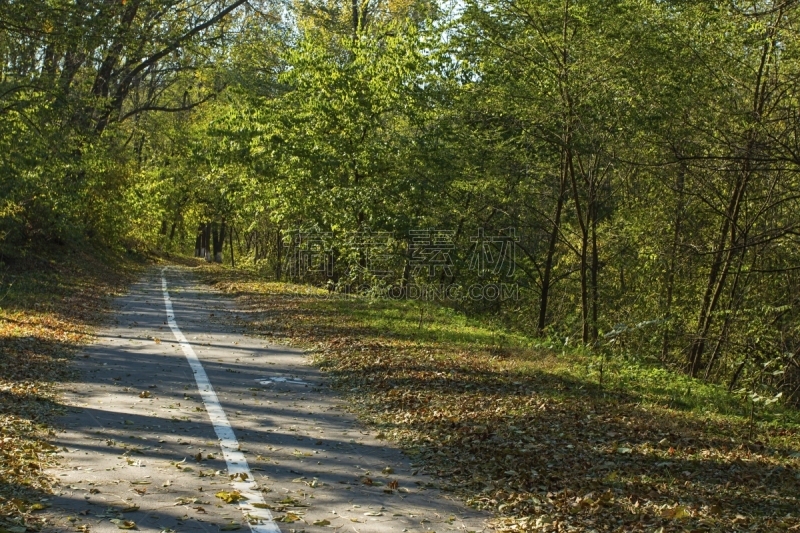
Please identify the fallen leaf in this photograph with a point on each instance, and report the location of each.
(229, 497)
(124, 524)
(676, 513)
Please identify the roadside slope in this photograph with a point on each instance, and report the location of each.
(48, 310)
(528, 433)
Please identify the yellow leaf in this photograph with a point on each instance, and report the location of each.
(676, 512)
(229, 497)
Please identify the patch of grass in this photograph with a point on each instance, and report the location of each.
(48, 307)
(527, 431)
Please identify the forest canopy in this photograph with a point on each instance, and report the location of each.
(641, 156)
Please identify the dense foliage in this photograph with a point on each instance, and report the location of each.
(645, 154)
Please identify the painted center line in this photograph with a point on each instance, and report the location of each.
(256, 515)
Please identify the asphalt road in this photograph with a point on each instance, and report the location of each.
(145, 443)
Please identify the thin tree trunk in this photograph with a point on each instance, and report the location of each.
(354, 6)
(198, 243)
(728, 317)
(407, 269)
(278, 255)
(595, 270)
(233, 261)
(551, 251)
(716, 281)
(583, 252)
(207, 242)
(665, 344)
(567, 102)
(736, 374)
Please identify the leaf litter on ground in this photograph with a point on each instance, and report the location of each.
(47, 314)
(525, 433)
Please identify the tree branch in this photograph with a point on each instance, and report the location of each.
(165, 109)
(125, 83)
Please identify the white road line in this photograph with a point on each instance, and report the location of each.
(237, 464)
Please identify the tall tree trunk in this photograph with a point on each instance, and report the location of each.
(583, 252)
(278, 255)
(207, 242)
(567, 144)
(198, 243)
(218, 238)
(551, 250)
(233, 261)
(595, 268)
(670, 282)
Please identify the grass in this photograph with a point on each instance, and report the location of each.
(49, 305)
(527, 431)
